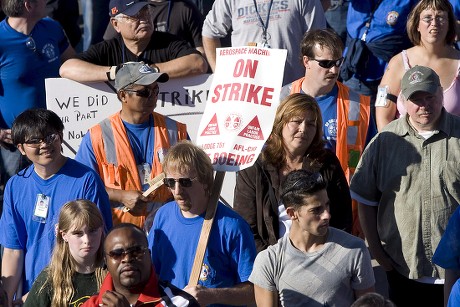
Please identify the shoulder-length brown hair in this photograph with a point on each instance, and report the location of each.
(439, 5)
(293, 105)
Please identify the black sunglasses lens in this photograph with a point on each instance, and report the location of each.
(185, 182)
(169, 182)
(116, 254)
(146, 93)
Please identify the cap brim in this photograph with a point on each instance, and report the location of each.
(134, 9)
(148, 79)
(432, 89)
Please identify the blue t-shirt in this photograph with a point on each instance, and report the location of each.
(229, 256)
(23, 70)
(447, 254)
(454, 297)
(389, 19)
(18, 227)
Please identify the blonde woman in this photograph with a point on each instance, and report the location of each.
(76, 269)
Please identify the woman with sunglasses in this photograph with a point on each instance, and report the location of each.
(76, 269)
(431, 27)
(296, 143)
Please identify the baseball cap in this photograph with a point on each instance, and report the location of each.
(419, 79)
(127, 7)
(137, 73)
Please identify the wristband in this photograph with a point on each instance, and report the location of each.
(111, 73)
(155, 68)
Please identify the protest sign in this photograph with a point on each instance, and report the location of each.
(241, 105)
(83, 105)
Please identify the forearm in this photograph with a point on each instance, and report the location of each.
(368, 220)
(384, 115)
(192, 64)
(265, 297)
(82, 71)
(12, 267)
(241, 294)
(210, 45)
(451, 278)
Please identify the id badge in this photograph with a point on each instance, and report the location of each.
(144, 172)
(381, 99)
(41, 208)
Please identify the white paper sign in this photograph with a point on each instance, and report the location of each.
(83, 105)
(241, 105)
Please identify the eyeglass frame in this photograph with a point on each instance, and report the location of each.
(48, 140)
(140, 93)
(330, 63)
(183, 182)
(140, 250)
(136, 17)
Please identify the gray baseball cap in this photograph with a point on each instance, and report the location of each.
(137, 73)
(419, 79)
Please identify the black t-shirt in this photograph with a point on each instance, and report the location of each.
(163, 47)
(85, 286)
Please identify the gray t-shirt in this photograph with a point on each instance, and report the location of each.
(327, 277)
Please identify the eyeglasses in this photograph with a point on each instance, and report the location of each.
(30, 44)
(146, 92)
(329, 63)
(439, 19)
(36, 142)
(183, 182)
(143, 14)
(135, 252)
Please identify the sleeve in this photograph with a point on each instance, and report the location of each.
(96, 192)
(245, 202)
(85, 154)
(263, 274)
(454, 297)
(37, 297)
(364, 181)
(151, 243)
(96, 54)
(243, 251)
(13, 232)
(338, 193)
(218, 22)
(363, 276)
(447, 254)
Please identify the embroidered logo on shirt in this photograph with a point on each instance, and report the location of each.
(392, 18)
(204, 272)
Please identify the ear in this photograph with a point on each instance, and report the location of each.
(28, 5)
(21, 149)
(64, 236)
(305, 61)
(291, 212)
(114, 23)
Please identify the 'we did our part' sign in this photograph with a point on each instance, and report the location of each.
(241, 105)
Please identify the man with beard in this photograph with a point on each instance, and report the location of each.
(176, 229)
(138, 42)
(131, 280)
(346, 115)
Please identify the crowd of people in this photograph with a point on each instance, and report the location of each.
(361, 162)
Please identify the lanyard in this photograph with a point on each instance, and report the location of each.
(264, 25)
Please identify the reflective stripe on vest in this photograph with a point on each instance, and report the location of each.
(353, 118)
(109, 139)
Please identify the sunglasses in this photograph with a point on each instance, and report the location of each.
(136, 252)
(36, 142)
(329, 63)
(183, 182)
(146, 92)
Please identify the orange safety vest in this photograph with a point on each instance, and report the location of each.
(117, 165)
(353, 116)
